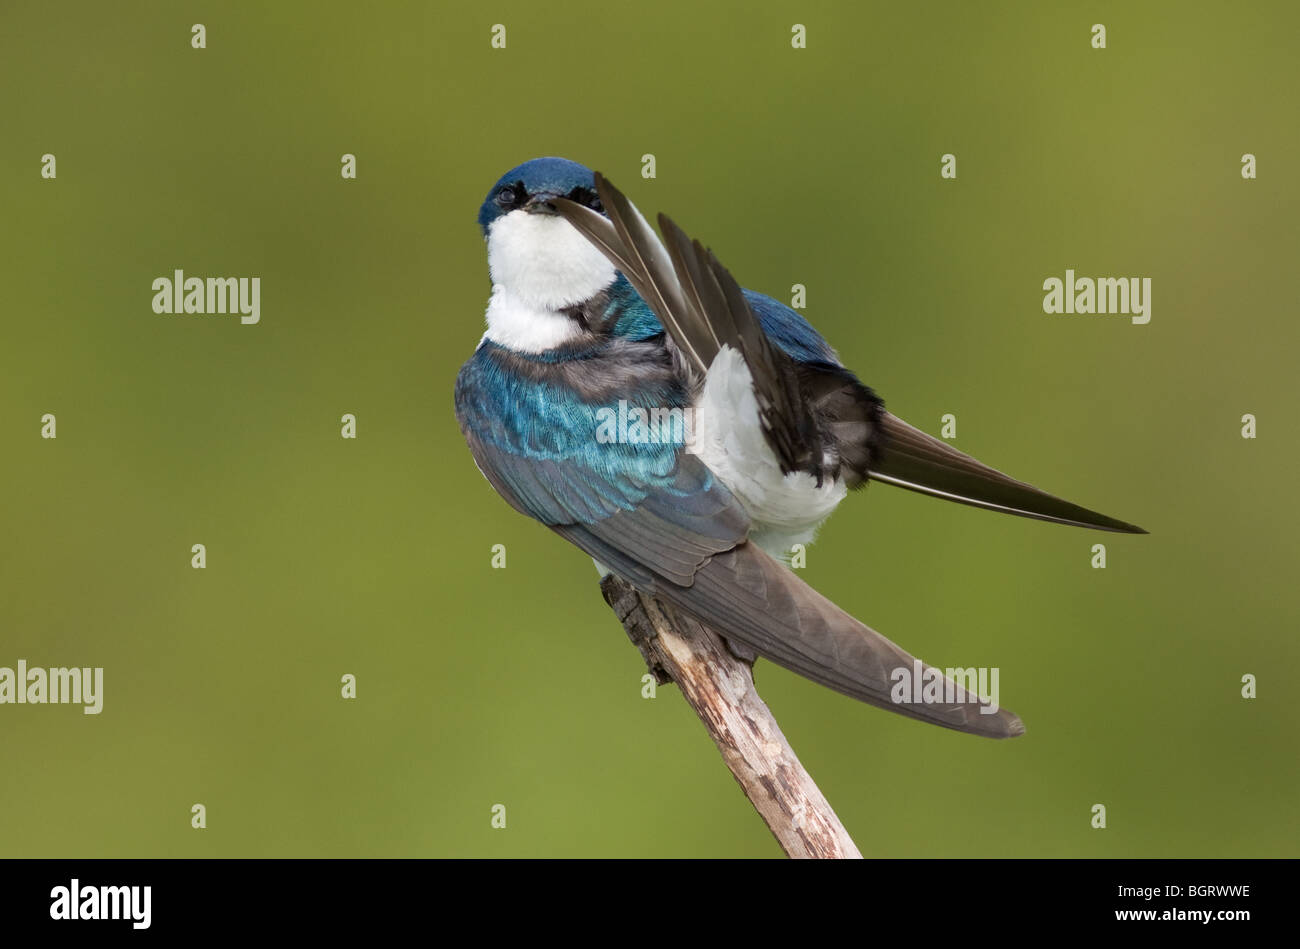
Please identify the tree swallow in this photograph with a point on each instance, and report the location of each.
(593, 318)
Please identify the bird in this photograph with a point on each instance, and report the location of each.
(594, 319)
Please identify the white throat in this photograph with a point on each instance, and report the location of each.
(539, 264)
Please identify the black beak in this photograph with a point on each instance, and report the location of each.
(540, 203)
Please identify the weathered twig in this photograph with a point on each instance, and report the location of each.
(720, 687)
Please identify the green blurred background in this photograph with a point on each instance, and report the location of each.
(372, 557)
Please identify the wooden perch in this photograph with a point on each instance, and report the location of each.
(720, 687)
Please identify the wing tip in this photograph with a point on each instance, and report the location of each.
(1000, 724)
(973, 718)
(1078, 517)
(1116, 526)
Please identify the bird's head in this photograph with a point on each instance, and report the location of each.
(533, 253)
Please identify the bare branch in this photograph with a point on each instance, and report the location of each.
(720, 687)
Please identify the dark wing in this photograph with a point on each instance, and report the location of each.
(801, 404)
(919, 462)
(681, 536)
(648, 532)
(746, 595)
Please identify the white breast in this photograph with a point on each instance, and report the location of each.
(786, 508)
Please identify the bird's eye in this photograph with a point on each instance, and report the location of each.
(508, 196)
(588, 197)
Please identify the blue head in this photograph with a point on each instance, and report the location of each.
(540, 264)
(528, 186)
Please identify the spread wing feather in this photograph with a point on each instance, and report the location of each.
(702, 308)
